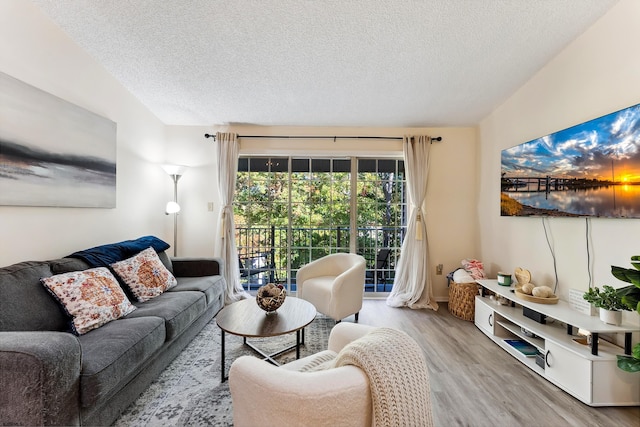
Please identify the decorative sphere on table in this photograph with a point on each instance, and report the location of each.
(270, 297)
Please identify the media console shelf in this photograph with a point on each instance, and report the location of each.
(589, 373)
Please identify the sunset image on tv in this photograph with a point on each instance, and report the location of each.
(591, 169)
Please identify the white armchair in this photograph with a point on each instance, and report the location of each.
(334, 284)
(266, 395)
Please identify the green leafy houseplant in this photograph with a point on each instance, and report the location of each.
(607, 298)
(630, 296)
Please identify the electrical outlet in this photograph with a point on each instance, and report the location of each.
(210, 206)
(439, 269)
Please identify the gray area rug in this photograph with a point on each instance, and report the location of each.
(189, 392)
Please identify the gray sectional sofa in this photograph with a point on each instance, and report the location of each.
(49, 376)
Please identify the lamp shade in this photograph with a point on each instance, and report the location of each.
(172, 207)
(174, 169)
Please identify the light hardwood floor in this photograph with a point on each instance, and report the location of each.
(476, 383)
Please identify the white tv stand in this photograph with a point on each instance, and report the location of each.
(589, 373)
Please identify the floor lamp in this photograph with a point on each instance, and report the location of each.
(175, 172)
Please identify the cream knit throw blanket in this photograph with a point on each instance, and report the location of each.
(398, 377)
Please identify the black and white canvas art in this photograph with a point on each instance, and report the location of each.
(52, 152)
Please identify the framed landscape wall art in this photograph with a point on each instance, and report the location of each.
(52, 152)
(588, 170)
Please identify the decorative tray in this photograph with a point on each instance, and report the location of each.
(550, 300)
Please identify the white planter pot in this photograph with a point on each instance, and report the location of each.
(612, 317)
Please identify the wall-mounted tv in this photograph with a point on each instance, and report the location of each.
(588, 170)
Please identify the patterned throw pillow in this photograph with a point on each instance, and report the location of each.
(91, 297)
(145, 275)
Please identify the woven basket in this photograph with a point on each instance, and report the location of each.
(270, 303)
(462, 300)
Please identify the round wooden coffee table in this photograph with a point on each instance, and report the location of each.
(244, 318)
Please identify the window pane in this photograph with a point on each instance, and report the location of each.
(341, 177)
(279, 164)
(321, 165)
(386, 166)
(342, 165)
(299, 215)
(258, 164)
(300, 165)
(366, 165)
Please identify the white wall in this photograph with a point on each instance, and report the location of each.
(597, 74)
(37, 52)
(451, 217)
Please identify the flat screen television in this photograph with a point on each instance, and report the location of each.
(588, 170)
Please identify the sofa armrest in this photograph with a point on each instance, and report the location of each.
(266, 395)
(197, 267)
(313, 269)
(39, 378)
(349, 285)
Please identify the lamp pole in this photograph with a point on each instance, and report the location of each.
(175, 172)
(175, 214)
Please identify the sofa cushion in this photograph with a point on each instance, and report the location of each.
(320, 289)
(211, 286)
(114, 353)
(91, 297)
(178, 309)
(145, 275)
(66, 265)
(26, 304)
(166, 261)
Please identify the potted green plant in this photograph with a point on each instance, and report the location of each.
(609, 302)
(630, 296)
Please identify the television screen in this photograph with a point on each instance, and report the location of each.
(589, 170)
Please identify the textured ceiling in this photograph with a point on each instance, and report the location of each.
(323, 63)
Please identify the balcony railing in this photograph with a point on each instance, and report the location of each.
(267, 255)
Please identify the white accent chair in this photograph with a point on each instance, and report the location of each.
(334, 284)
(266, 395)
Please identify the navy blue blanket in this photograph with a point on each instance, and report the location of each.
(103, 256)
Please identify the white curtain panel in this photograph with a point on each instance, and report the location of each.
(412, 284)
(228, 147)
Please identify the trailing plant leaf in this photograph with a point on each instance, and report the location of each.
(630, 363)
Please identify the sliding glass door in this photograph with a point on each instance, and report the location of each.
(292, 210)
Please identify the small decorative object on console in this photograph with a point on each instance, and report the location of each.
(504, 279)
(530, 292)
(522, 276)
(270, 297)
(539, 294)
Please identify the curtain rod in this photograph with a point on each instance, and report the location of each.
(207, 135)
